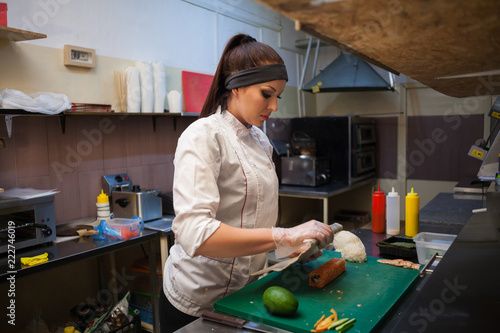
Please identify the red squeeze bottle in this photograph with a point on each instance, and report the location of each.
(378, 211)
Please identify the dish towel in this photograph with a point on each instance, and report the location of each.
(147, 86)
(133, 90)
(30, 261)
(160, 86)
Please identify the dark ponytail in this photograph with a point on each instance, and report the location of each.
(241, 52)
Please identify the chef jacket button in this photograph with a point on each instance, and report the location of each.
(261, 198)
(269, 166)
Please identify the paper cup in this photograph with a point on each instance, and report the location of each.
(174, 101)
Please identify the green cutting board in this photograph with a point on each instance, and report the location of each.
(365, 291)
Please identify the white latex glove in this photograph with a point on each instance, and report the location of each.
(303, 248)
(290, 239)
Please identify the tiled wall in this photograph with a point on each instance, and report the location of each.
(437, 147)
(40, 156)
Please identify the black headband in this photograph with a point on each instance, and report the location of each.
(254, 75)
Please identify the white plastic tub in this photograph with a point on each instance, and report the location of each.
(429, 243)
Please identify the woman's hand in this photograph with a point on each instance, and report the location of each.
(293, 237)
(303, 248)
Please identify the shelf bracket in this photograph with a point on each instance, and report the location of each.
(154, 124)
(8, 124)
(62, 119)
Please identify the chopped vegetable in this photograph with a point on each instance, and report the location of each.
(333, 322)
(347, 325)
(319, 321)
(335, 316)
(323, 323)
(337, 323)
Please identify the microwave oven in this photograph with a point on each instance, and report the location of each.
(305, 170)
(26, 222)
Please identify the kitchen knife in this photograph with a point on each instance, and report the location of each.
(240, 323)
(310, 250)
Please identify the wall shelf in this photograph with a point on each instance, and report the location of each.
(18, 35)
(11, 113)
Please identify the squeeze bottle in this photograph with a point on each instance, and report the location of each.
(378, 211)
(392, 212)
(103, 211)
(412, 205)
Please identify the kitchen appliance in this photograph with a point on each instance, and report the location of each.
(362, 148)
(302, 144)
(348, 73)
(128, 200)
(349, 142)
(26, 222)
(119, 182)
(362, 163)
(305, 170)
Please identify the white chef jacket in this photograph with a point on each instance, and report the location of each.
(224, 173)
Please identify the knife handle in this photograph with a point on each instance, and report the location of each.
(223, 319)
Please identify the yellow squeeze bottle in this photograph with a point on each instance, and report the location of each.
(103, 211)
(412, 207)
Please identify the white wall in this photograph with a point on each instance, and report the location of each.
(184, 34)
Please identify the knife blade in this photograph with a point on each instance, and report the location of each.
(240, 322)
(313, 248)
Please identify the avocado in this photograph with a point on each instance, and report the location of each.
(280, 301)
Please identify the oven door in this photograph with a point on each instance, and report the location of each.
(363, 162)
(363, 134)
(27, 225)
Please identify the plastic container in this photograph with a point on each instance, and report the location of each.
(398, 247)
(127, 228)
(393, 216)
(378, 211)
(429, 243)
(103, 212)
(412, 207)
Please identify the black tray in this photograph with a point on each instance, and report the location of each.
(389, 248)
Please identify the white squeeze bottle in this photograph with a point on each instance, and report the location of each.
(392, 213)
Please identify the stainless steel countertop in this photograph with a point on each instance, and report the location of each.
(322, 191)
(162, 225)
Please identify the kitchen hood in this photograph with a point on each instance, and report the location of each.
(348, 73)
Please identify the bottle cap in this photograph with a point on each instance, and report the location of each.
(378, 192)
(102, 198)
(393, 193)
(412, 193)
